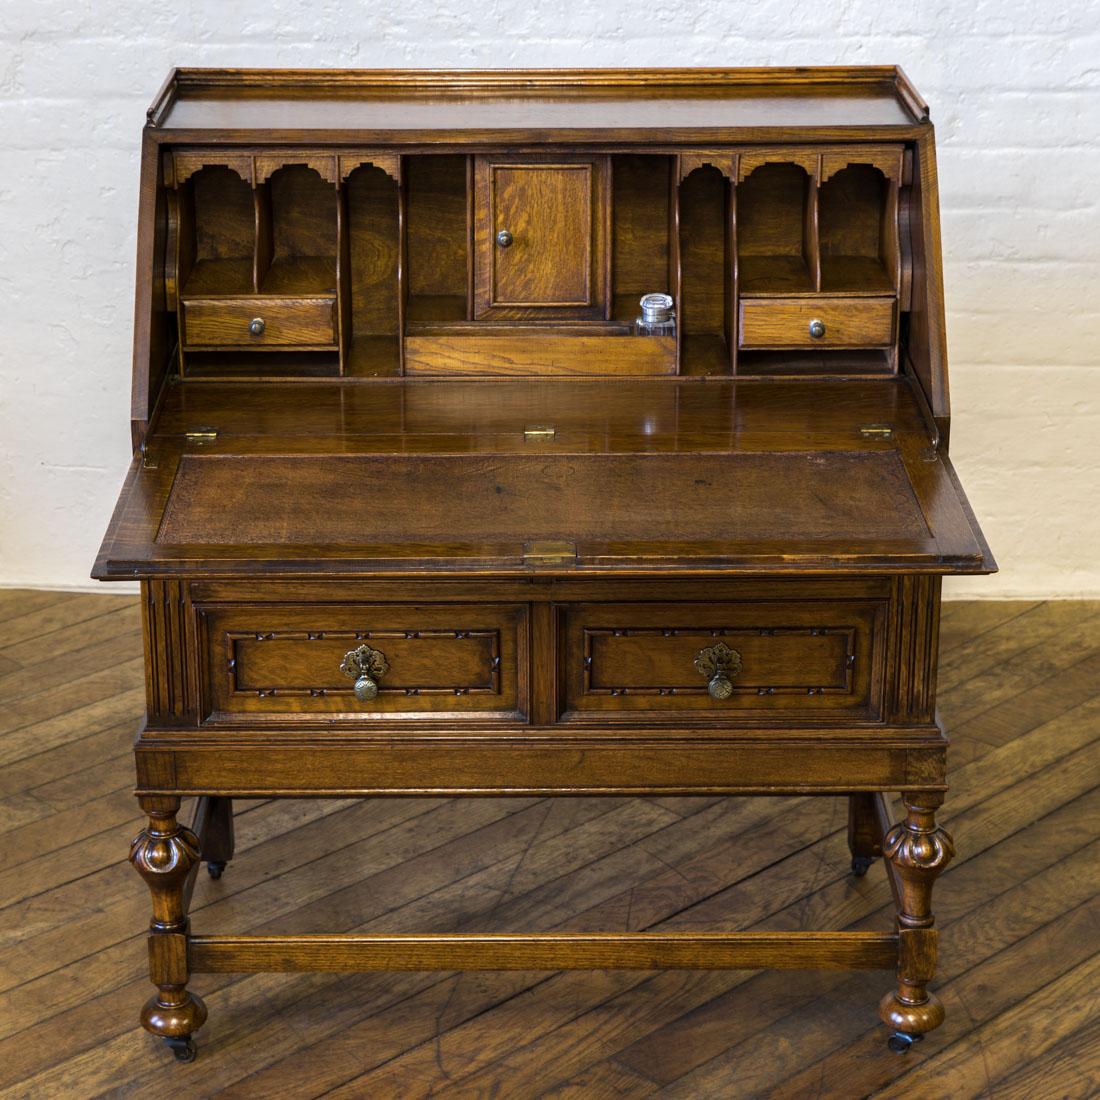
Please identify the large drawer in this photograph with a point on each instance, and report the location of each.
(449, 661)
(254, 322)
(816, 323)
(813, 659)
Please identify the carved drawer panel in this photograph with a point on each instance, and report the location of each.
(365, 662)
(816, 322)
(816, 659)
(259, 322)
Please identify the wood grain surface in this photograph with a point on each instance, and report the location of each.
(1017, 910)
(263, 499)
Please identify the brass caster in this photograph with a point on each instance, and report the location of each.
(901, 1041)
(860, 864)
(183, 1047)
(215, 867)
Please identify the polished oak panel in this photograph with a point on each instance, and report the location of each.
(280, 661)
(503, 355)
(259, 322)
(541, 237)
(816, 322)
(267, 500)
(819, 659)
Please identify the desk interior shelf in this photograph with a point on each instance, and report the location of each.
(424, 277)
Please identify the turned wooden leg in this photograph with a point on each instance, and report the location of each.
(217, 837)
(166, 855)
(918, 850)
(864, 839)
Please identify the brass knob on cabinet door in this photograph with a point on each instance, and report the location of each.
(366, 667)
(719, 664)
(817, 329)
(256, 326)
(504, 238)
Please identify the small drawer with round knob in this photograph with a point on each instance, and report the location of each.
(818, 322)
(256, 322)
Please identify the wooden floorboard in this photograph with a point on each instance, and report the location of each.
(1018, 909)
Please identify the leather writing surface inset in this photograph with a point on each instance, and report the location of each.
(351, 500)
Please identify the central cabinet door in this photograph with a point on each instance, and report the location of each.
(541, 232)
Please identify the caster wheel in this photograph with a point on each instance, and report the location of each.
(183, 1048)
(215, 867)
(860, 864)
(901, 1041)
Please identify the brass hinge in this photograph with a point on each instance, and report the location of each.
(148, 459)
(877, 431)
(549, 552)
(539, 431)
(202, 435)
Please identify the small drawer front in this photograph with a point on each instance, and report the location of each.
(816, 323)
(259, 322)
(450, 661)
(816, 659)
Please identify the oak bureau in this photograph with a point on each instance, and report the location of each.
(540, 433)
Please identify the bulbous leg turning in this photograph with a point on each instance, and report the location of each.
(908, 1020)
(918, 850)
(164, 854)
(173, 1013)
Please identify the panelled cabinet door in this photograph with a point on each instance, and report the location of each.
(541, 237)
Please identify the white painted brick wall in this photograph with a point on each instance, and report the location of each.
(1015, 92)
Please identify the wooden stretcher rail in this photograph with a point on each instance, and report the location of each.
(546, 951)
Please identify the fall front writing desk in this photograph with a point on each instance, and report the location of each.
(424, 501)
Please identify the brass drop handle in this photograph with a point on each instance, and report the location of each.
(257, 326)
(719, 664)
(366, 667)
(817, 328)
(504, 239)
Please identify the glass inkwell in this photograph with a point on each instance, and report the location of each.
(658, 316)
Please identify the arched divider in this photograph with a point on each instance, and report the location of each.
(372, 271)
(708, 263)
(296, 229)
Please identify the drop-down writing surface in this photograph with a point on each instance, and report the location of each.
(347, 500)
(416, 476)
(361, 513)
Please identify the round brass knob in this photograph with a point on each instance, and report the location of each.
(256, 326)
(504, 238)
(817, 329)
(365, 689)
(720, 686)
